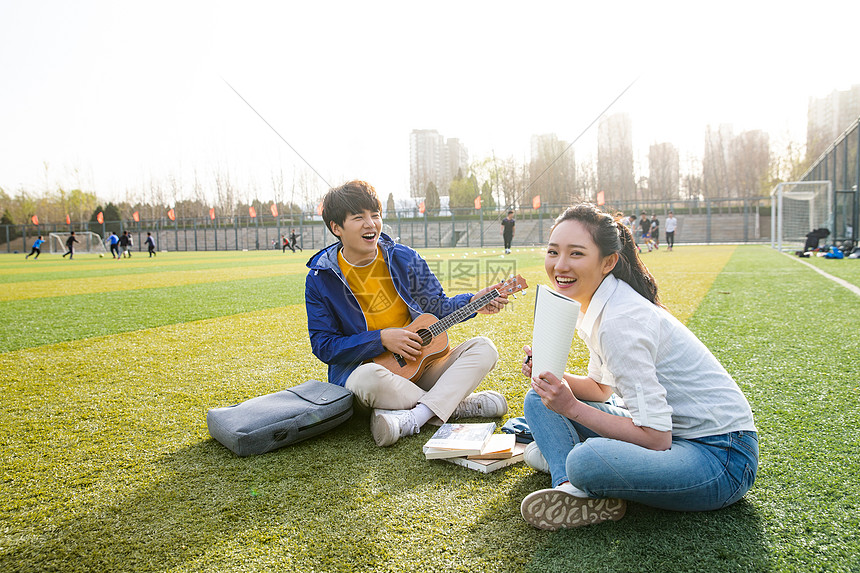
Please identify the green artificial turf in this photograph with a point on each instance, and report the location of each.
(107, 464)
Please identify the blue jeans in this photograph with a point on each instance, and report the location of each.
(697, 474)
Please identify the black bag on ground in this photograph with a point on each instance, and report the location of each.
(269, 422)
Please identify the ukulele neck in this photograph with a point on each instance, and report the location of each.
(463, 313)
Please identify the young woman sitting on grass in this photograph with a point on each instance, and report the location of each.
(685, 440)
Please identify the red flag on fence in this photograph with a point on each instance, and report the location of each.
(171, 214)
(319, 209)
(600, 198)
(35, 219)
(478, 202)
(252, 212)
(136, 217)
(536, 202)
(274, 209)
(212, 213)
(100, 217)
(421, 207)
(68, 220)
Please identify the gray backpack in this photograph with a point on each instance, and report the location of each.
(265, 423)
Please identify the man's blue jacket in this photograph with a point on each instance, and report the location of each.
(336, 323)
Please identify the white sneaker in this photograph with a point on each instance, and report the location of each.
(556, 508)
(388, 426)
(534, 458)
(485, 404)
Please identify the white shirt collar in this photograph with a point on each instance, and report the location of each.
(598, 301)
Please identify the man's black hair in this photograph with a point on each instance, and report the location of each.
(348, 199)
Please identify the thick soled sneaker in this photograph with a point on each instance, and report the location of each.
(534, 458)
(484, 404)
(555, 508)
(388, 426)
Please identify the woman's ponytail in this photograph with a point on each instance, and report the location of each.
(630, 268)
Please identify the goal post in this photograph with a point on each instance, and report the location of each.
(88, 242)
(798, 207)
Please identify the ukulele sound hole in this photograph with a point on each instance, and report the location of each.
(426, 336)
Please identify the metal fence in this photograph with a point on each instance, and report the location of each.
(699, 221)
(840, 164)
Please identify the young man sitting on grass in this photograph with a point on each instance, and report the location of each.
(360, 293)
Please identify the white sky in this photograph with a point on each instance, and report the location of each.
(113, 94)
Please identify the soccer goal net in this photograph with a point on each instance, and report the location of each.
(798, 208)
(88, 242)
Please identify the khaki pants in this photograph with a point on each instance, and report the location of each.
(441, 388)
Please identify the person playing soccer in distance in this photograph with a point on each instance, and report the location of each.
(150, 244)
(37, 248)
(655, 230)
(360, 293)
(686, 440)
(114, 244)
(70, 245)
(124, 245)
(508, 224)
(294, 240)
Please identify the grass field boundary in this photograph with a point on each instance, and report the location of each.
(837, 280)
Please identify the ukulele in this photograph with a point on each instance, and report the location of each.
(434, 339)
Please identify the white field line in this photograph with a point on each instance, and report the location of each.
(837, 280)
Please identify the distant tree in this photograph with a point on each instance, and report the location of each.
(715, 162)
(461, 193)
(113, 218)
(488, 202)
(431, 199)
(586, 181)
(94, 225)
(390, 207)
(790, 164)
(663, 172)
(6, 219)
(81, 202)
(692, 181)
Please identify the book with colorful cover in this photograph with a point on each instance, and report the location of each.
(459, 440)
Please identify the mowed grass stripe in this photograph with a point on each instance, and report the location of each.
(35, 322)
(104, 283)
(109, 465)
(84, 266)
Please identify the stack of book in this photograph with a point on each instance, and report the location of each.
(474, 446)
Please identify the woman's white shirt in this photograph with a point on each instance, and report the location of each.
(667, 378)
